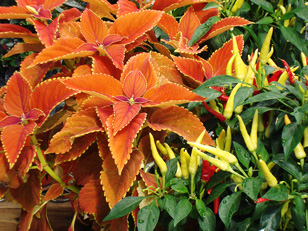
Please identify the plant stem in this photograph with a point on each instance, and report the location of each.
(48, 169)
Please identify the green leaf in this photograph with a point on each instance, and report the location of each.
(252, 186)
(148, 217)
(211, 5)
(123, 207)
(291, 135)
(216, 192)
(265, 20)
(265, 5)
(228, 206)
(290, 166)
(278, 193)
(270, 219)
(171, 169)
(207, 219)
(207, 92)
(202, 30)
(242, 154)
(217, 178)
(293, 37)
(298, 213)
(242, 94)
(169, 204)
(263, 97)
(180, 188)
(182, 210)
(262, 150)
(219, 80)
(301, 12)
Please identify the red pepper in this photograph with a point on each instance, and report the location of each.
(260, 200)
(214, 113)
(222, 97)
(275, 76)
(288, 69)
(216, 205)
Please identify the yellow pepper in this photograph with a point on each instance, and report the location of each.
(229, 65)
(270, 119)
(213, 105)
(269, 177)
(220, 141)
(184, 163)
(237, 5)
(250, 73)
(228, 111)
(254, 130)
(157, 158)
(221, 154)
(194, 160)
(161, 148)
(305, 143)
(251, 147)
(172, 156)
(224, 166)
(239, 66)
(299, 149)
(265, 47)
(303, 58)
(228, 140)
(238, 180)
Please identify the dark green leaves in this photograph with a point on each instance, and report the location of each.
(251, 187)
(278, 193)
(182, 210)
(148, 217)
(207, 219)
(270, 219)
(292, 36)
(123, 207)
(202, 30)
(219, 80)
(264, 4)
(228, 206)
(242, 154)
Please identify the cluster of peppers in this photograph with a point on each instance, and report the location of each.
(251, 75)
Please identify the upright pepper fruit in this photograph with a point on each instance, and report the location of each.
(265, 47)
(250, 145)
(184, 163)
(157, 158)
(269, 177)
(172, 156)
(228, 111)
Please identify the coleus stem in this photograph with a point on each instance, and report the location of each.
(48, 169)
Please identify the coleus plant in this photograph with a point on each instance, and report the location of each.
(115, 82)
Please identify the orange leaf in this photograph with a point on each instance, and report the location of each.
(96, 84)
(103, 114)
(219, 65)
(190, 67)
(122, 143)
(13, 139)
(148, 178)
(102, 144)
(15, 31)
(33, 75)
(53, 192)
(135, 24)
(70, 30)
(14, 12)
(40, 221)
(222, 26)
(116, 186)
(49, 94)
(125, 7)
(25, 220)
(71, 14)
(169, 25)
(63, 48)
(17, 96)
(80, 145)
(93, 28)
(25, 160)
(204, 15)
(115, 52)
(88, 166)
(170, 94)
(103, 65)
(188, 23)
(119, 224)
(181, 3)
(52, 4)
(19, 48)
(92, 200)
(8, 177)
(134, 84)
(180, 121)
(80, 124)
(47, 33)
(162, 4)
(29, 193)
(123, 115)
(143, 64)
(208, 69)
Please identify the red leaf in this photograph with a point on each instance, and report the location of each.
(15, 31)
(188, 23)
(169, 25)
(80, 124)
(69, 15)
(180, 121)
(19, 48)
(80, 145)
(124, 113)
(126, 7)
(8, 177)
(52, 4)
(219, 65)
(14, 12)
(92, 200)
(116, 186)
(148, 178)
(47, 33)
(103, 114)
(121, 144)
(119, 224)
(25, 220)
(29, 193)
(134, 84)
(10, 120)
(103, 65)
(49, 94)
(40, 221)
(88, 167)
(115, 52)
(135, 24)
(93, 28)
(13, 139)
(16, 101)
(25, 160)
(53, 192)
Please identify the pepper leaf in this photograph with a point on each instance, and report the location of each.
(251, 187)
(242, 154)
(228, 206)
(148, 217)
(182, 210)
(278, 193)
(271, 217)
(206, 220)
